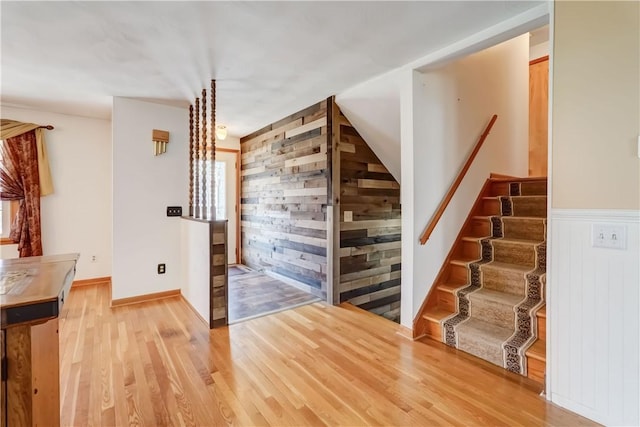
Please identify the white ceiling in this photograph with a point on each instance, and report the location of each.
(270, 59)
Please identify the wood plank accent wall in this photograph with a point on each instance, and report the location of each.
(219, 277)
(298, 174)
(284, 198)
(370, 216)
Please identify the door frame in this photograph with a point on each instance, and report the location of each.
(237, 207)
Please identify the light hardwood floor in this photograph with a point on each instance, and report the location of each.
(156, 363)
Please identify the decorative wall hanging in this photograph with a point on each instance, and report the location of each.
(160, 140)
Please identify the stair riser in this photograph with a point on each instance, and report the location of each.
(458, 274)
(533, 188)
(491, 207)
(433, 330)
(446, 300)
(541, 322)
(492, 311)
(503, 280)
(500, 189)
(536, 369)
(515, 188)
(514, 253)
(471, 249)
(480, 228)
(529, 206)
(521, 228)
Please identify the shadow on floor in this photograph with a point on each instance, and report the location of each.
(253, 294)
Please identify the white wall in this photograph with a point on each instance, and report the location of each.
(451, 106)
(77, 216)
(195, 278)
(373, 108)
(143, 186)
(539, 50)
(230, 142)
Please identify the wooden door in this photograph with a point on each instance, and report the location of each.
(538, 115)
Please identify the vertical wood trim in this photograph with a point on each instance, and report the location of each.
(333, 115)
(212, 209)
(237, 207)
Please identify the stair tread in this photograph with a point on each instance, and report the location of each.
(463, 261)
(528, 196)
(436, 314)
(472, 238)
(451, 287)
(523, 179)
(488, 332)
(538, 350)
(518, 241)
(536, 218)
(507, 266)
(507, 217)
(497, 296)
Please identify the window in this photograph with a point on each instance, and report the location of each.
(220, 186)
(7, 212)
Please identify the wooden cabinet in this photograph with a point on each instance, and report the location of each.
(32, 293)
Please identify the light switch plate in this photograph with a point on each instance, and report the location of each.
(609, 236)
(348, 216)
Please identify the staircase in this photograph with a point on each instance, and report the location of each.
(488, 299)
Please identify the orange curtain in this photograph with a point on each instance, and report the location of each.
(19, 180)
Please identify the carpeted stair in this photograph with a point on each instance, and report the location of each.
(487, 300)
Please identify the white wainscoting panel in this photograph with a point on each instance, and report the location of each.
(594, 317)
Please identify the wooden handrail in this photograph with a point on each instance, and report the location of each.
(452, 190)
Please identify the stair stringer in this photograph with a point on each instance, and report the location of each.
(431, 300)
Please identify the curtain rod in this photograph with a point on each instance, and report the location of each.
(48, 127)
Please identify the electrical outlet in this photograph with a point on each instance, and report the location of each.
(609, 236)
(174, 210)
(94, 258)
(161, 269)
